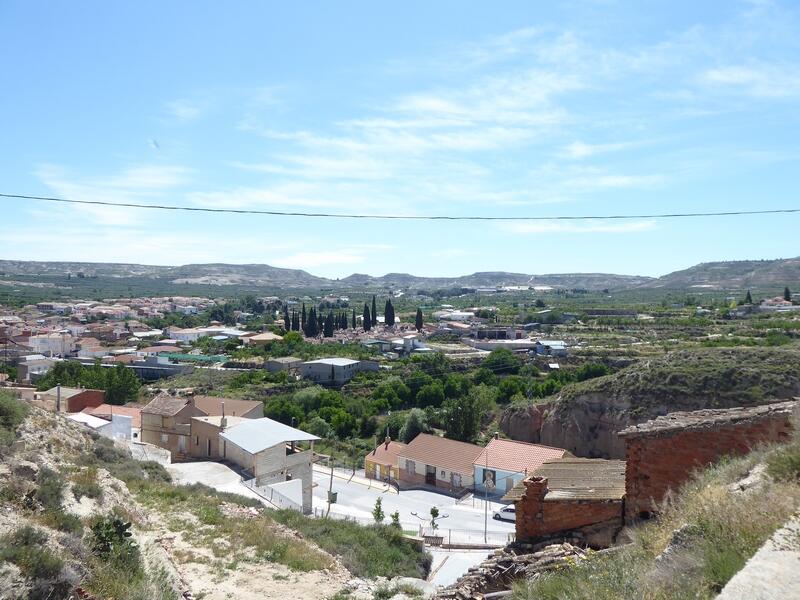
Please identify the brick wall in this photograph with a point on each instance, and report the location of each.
(85, 399)
(662, 458)
(538, 518)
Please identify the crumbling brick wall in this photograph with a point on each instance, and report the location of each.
(537, 517)
(662, 454)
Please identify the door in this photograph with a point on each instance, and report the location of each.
(182, 444)
(430, 475)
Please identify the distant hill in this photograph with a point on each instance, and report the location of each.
(597, 281)
(717, 275)
(738, 274)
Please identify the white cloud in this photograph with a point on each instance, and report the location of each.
(551, 227)
(761, 81)
(140, 184)
(580, 150)
(184, 111)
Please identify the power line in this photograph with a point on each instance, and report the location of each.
(278, 213)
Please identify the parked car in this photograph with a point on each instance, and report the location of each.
(507, 513)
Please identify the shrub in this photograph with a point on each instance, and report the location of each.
(784, 463)
(50, 489)
(85, 484)
(25, 547)
(111, 541)
(366, 551)
(63, 521)
(12, 414)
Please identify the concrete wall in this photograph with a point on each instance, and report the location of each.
(171, 433)
(660, 461)
(540, 518)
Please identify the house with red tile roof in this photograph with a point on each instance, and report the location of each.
(381, 463)
(430, 460)
(504, 463)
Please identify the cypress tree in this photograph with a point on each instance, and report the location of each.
(787, 294)
(374, 312)
(748, 299)
(389, 313)
(328, 331)
(295, 321)
(343, 320)
(303, 317)
(311, 324)
(287, 323)
(320, 323)
(367, 318)
(354, 319)
(419, 319)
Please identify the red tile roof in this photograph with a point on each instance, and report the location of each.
(516, 457)
(384, 455)
(440, 452)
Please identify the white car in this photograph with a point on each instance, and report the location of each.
(507, 513)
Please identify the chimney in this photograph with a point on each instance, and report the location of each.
(223, 421)
(386, 442)
(497, 435)
(58, 397)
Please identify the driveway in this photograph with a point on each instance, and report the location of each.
(213, 474)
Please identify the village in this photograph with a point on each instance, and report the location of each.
(289, 436)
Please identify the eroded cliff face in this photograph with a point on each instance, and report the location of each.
(587, 427)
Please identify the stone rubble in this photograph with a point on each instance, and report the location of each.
(515, 562)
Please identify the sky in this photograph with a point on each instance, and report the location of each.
(507, 109)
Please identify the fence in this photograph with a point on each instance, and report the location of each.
(271, 495)
(448, 536)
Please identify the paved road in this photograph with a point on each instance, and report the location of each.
(357, 500)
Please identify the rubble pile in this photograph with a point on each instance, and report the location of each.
(514, 562)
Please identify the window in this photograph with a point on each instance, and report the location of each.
(164, 438)
(208, 447)
(410, 466)
(197, 440)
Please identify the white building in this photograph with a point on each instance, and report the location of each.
(52, 344)
(335, 371)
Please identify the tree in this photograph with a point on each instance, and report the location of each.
(287, 323)
(374, 312)
(377, 512)
(430, 394)
(354, 319)
(295, 321)
(367, 318)
(328, 330)
(318, 426)
(418, 323)
(787, 294)
(416, 423)
(303, 318)
(462, 418)
(748, 299)
(539, 303)
(502, 361)
(395, 516)
(388, 313)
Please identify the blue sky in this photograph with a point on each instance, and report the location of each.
(513, 108)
